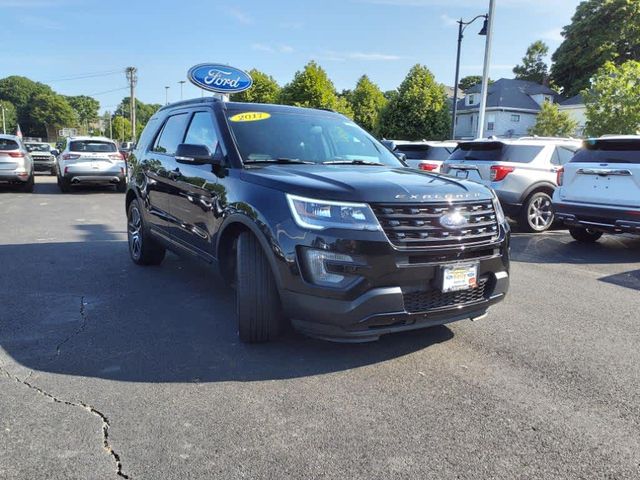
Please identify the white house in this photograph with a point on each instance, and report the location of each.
(577, 110)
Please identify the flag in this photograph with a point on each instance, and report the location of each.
(18, 132)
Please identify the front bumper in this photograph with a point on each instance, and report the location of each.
(599, 218)
(43, 164)
(413, 302)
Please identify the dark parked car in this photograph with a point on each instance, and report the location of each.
(313, 221)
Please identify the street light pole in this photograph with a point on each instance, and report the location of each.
(181, 82)
(166, 95)
(461, 27)
(485, 70)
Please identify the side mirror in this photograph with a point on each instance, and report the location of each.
(196, 155)
(55, 152)
(401, 156)
(29, 149)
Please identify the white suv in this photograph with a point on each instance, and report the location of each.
(425, 155)
(91, 160)
(599, 189)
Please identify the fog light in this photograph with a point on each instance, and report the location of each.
(316, 261)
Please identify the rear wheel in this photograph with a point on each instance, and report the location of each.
(537, 213)
(584, 235)
(143, 249)
(64, 185)
(257, 300)
(121, 186)
(53, 171)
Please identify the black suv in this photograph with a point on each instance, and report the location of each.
(313, 221)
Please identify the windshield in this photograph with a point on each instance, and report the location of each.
(305, 137)
(496, 152)
(39, 147)
(92, 146)
(424, 152)
(6, 144)
(609, 152)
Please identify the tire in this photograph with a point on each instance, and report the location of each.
(121, 186)
(584, 235)
(537, 214)
(64, 185)
(53, 171)
(143, 249)
(258, 305)
(28, 186)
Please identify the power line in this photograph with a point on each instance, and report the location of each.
(106, 91)
(82, 76)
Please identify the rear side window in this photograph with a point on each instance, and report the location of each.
(202, 131)
(171, 135)
(564, 155)
(6, 144)
(609, 152)
(496, 152)
(92, 146)
(424, 152)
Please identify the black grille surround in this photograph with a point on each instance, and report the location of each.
(417, 226)
(418, 302)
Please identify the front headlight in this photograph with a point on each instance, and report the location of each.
(498, 209)
(321, 214)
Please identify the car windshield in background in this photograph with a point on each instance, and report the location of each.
(424, 152)
(496, 152)
(285, 137)
(609, 152)
(92, 146)
(39, 147)
(6, 144)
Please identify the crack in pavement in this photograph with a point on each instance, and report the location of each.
(79, 330)
(103, 418)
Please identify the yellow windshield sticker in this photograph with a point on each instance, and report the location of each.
(250, 117)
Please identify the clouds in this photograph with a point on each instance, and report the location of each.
(553, 35)
(238, 15)
(266, 48)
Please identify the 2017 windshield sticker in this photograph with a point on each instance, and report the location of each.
(250, 117)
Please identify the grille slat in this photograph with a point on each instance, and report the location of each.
(418, 225)
(416, 302)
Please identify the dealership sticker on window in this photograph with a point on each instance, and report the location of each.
(250, 117)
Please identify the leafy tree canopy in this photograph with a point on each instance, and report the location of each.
(312, 88)
(600, 31)
(534, 67)
(85, 107)
(551, 122)
(10, 116)
(264, 90)
(469, 81)
(612, 101)
(121, 128)
(21, 92)
(367, 101)
(420, 110)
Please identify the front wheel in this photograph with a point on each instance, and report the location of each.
(537, 213)
(584, 235)
(143, 249)
(121, 186)
(257, 300)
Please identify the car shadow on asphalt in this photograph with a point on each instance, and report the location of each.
(84, 309)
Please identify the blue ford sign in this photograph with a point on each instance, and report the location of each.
(219, 78)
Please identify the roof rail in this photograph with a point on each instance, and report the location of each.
(536, 137)
(191, 101)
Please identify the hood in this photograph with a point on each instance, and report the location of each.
(360, 183)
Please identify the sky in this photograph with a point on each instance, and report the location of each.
(82, 46)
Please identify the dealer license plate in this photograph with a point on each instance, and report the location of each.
(459, 277)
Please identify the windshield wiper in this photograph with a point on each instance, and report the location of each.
(352, 162)
(281, 161)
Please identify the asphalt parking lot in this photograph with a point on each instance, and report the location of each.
(110, 369)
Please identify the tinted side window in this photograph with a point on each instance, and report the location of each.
(148, 133)
(520, 153)
(171, 135)
(202, 131)
(564, 154)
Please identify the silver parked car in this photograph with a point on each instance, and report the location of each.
(16, 165)
(43, 156)
(523, 173)
(425, 155)
(94, 160)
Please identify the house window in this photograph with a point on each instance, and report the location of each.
(515, 118)
(471, 99)
(491, 122)
(471, 120)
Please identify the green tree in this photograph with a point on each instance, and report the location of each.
(420, 110)
(21, 92)
(367, 101)
(86, 109)
(54, 112)
(264, 90)
(534, 68)
(612, 102)
(600, 31)
(121, 128)
(10, 116)
(312, 88)
(551, 122)
(469, 81)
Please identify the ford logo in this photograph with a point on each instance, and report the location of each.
(453, 220)
(219, 78)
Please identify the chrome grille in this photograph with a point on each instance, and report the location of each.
(418, 225)
(417, 302)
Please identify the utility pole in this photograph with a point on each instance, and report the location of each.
(485, 71)
(181, 82)
(132, 77)
(166, 95)
(4, 126)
